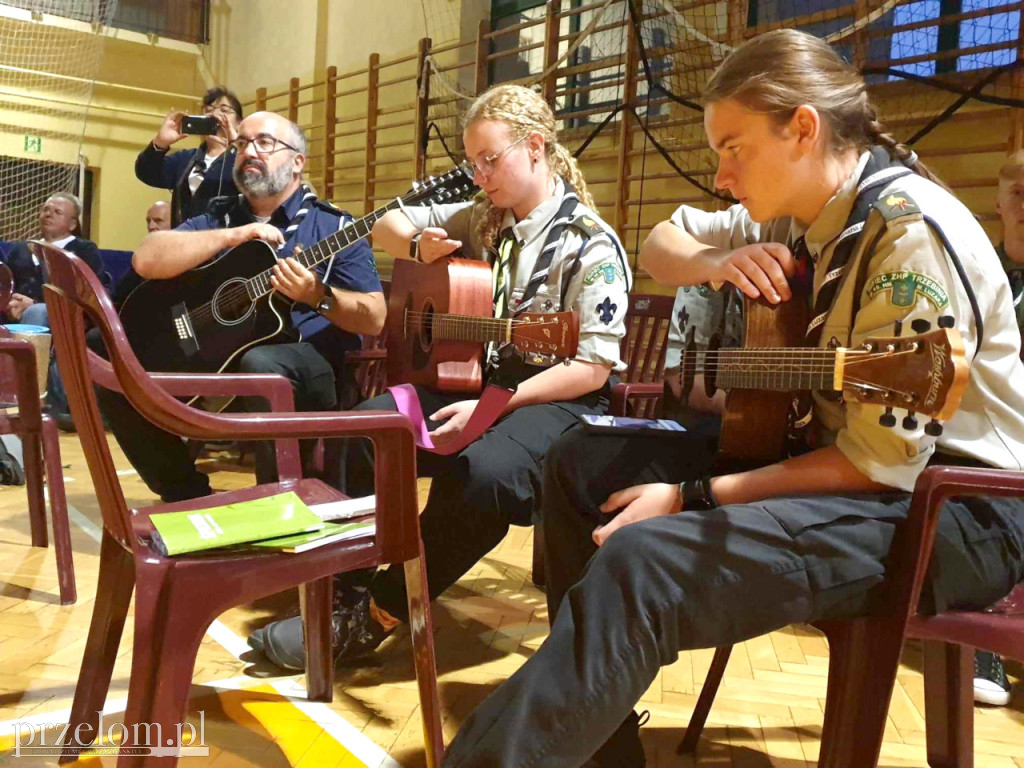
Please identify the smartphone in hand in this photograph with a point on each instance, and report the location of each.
(199, 125)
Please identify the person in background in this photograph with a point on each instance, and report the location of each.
(194, 176)
(158, 217)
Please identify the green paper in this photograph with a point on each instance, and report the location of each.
(200, 529)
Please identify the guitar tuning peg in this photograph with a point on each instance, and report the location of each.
(933, 428)
(909, 422)
(897, 328)
(887, 419)
(920, 325)
(947, 321)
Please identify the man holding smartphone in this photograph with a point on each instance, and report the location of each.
(195, 176)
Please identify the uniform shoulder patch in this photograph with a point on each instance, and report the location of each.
(609, 271)
(904, 286)
(895, 206)
(586, 225)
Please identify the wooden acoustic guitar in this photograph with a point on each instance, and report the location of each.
(441, 314)
(924, 375)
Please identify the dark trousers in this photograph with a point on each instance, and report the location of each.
(162, 459)
(475, 494)
(698, 580)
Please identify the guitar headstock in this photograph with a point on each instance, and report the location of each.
(924, 374)
(452, 187)
(552, 334)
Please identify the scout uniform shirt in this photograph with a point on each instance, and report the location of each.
(597, 289)
(908, 275)
(1015, 274)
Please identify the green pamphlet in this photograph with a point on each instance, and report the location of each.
(196, 530)
(329, 534)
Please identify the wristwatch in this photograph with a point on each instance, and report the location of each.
(326, 302)
(414, 248)
(696, 494)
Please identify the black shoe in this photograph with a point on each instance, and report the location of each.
(990, 683)
(354, 634)
(11, 472)
(623, 748)
(64, 422)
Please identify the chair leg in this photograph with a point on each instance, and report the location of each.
(688, 746)
(31, 451)
(113, 594)
(315, 599)
(863, 657)
(422, 629)
(59, 513)
(539, 578)
(949, 704)
(169, 626)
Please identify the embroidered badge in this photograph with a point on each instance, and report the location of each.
(904, 286)
(609, 271)
(895, 201)
(606, 310)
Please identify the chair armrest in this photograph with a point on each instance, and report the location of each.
(935, 485)
(275, 388)
(23, 354)
(365, 355)
(625, 391)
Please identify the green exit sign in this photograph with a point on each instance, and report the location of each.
(34, 144)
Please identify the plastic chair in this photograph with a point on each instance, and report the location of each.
(40, 445)
(864, 653)
(950, 638)
(6, 287)
(174, 604)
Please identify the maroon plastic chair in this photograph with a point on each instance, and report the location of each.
(950, 638)
(370, 362)
(174, 604)
(6, 287)
(864, 653)
(40, 445)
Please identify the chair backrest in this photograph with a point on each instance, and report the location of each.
(644, 346)
(6, 286)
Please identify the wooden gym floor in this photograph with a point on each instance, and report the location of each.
(768, 712)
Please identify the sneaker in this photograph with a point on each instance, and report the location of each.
(990, 683)
(11, 472)
(623, 748)
(353, 634)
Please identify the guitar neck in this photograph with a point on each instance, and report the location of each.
(471, 328)
(330, 245)
(778, 369)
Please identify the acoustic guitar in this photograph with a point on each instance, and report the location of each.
(922, 375)
(204, 319)
(440, 315)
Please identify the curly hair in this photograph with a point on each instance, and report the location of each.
(523, 111)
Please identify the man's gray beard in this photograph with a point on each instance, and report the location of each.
(266, 184)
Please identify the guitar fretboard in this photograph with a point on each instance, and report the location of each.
(778, 369)
(318, 253)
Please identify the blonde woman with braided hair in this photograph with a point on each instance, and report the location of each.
(549, 252)
(647, 553)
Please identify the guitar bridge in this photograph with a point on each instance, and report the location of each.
(183, 330)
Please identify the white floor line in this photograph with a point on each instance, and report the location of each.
(334, 724)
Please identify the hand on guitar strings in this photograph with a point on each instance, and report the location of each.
(268, 233)
(434, 244)
(296, 282)
(760, 269)
(19, 303)
(457, 415)
(641, 502)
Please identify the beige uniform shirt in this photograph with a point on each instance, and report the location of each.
(909, 275)
(598, 289)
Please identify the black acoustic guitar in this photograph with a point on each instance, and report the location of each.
(204, 319)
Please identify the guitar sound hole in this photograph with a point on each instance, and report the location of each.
(426, 334)
(231, 303)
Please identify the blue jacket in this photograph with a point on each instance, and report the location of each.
(29, 274)
(171, 170)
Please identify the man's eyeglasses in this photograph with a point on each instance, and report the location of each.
(264, 143)
(486, 166)
(222, 109)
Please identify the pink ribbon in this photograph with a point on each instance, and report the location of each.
(489, 408)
